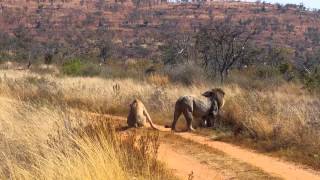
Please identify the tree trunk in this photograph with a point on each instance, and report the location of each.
(226, 73)
(215, 69)
(221, 77)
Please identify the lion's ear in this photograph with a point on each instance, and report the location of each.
(219, 91)
(222, 92)
(207, 94)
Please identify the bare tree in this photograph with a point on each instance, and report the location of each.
(178, 48)
(221, 44)
(23, 42)
(104, 43)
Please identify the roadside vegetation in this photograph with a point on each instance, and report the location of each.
(275, 117)
(269, 69)
(44, 138)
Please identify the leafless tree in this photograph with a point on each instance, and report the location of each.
(178, 48)
(103, 43)
(222, 44)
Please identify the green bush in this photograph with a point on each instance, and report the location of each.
(72, 67)
(90, 69)
(76, 67)
(266, 72)
(285, 67)
(312, 80)
(256, 77)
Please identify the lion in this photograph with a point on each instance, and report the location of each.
(192, 107)
(138, 115)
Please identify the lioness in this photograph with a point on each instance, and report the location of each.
(138, 115)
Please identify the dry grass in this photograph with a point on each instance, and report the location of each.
(93, 94)
(283, 119)
(46, 140)
(158, 80)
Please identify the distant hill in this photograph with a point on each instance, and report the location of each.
(138, 27)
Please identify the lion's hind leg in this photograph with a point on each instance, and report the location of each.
(176, 116)
(189, 117)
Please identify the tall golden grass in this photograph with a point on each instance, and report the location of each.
(41, 137)
(282, 118)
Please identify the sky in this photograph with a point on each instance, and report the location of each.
(308, 3)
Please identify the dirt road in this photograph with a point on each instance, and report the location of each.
(184, 163)
(186, 167)
(273, 166)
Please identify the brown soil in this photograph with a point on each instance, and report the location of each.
(186, 165)
(273, 166)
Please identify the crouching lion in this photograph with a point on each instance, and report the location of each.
(204, 109)
(138, 115)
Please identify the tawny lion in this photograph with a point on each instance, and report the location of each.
(138, 115)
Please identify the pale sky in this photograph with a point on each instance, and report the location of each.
(308, 3)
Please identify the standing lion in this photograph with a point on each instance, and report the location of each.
(192, 107)
(138, 115)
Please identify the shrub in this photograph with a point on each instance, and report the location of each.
(312, 80)
(72, 67)
(90, 69)
(256, 77)
(76, 67)
(186, 74)
(130, 69)
(265, 72)
(48, 58)
(285, 67)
